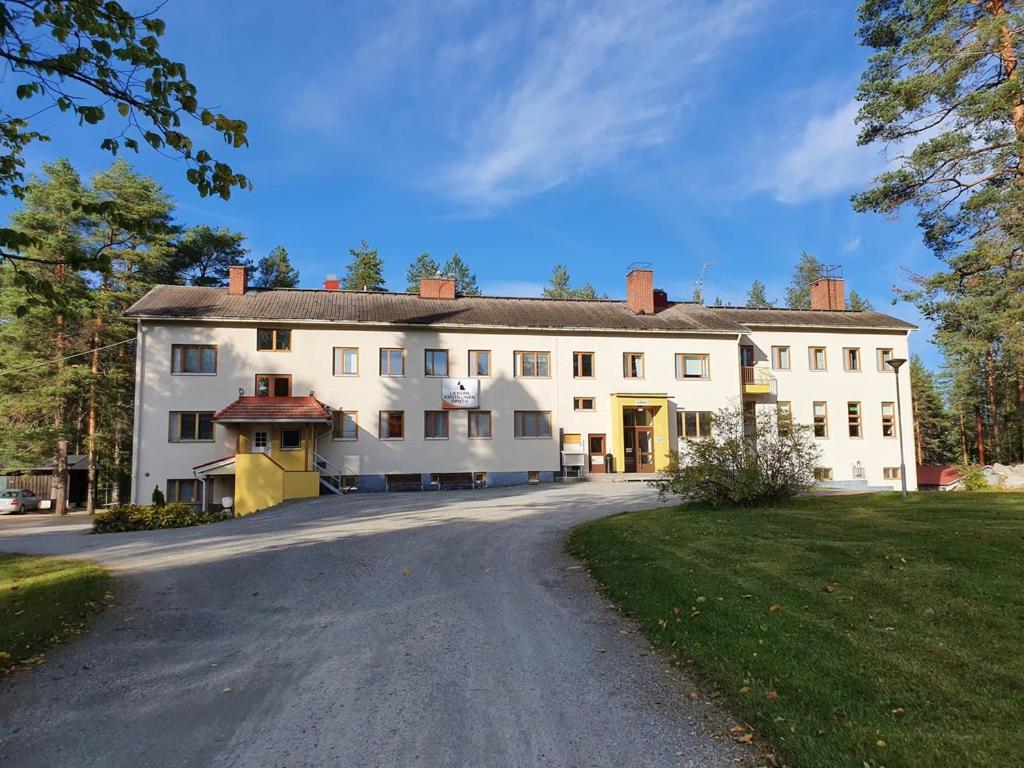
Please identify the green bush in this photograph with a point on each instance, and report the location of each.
(138, 517)
(973, 476)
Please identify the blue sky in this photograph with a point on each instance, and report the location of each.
(527, 134)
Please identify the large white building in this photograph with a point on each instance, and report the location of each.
(268, 395)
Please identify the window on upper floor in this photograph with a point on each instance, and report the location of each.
(693, 366)
(817, 358)
(195, 359)
(882, 358)
(888, 420)
(780, 358)
(480, 363)
(274, 339)
(820, 419)
(435, 362)
(851, 359)
(633, 365)
(392, 361)
(273, 385)
(533, 365)
(345, 426)
(853, 416)
(346, 361)
(583, 365)
(191, 427)
(391, 425)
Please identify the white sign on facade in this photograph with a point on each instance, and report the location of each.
(460, 393)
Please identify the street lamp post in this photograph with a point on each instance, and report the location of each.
(895, 364)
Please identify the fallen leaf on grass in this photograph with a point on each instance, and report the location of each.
(745, 690)
(226, 690)
(738, 729)
(407, 572)
(745, 738)
(880, 744)
(898, 711)
(774, 608)
(773, 695)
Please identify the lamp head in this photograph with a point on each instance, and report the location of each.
(895, 363)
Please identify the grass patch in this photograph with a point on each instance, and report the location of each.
(43, 601)
(847, 630)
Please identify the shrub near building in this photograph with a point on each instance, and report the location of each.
(138, 517)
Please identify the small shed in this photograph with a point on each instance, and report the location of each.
(39, 479)
(938, 477)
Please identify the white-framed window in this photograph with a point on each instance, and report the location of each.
(780, 359)
(435, 362)
(346, 361)
(633, 365)
(533, 365)
(533, 424)
(345, 426)
(479, 425)
(194, 359)
(817, 358)
(435, 425)
(891, 473)
(191, 427)
(392, 361)
(693, 366)
(882, 357)
(584, 403)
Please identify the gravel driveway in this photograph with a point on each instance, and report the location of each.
(420, 629)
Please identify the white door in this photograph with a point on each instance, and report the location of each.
(260, 441)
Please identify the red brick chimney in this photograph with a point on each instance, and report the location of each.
(438, 287)
(660, 298)
(828, 292)
(640, 288)
(332, 283)
(236, 281)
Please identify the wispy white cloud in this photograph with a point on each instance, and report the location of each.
(822, 160)
(852, 245)
(598, 81)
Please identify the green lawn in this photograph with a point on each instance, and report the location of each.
(44, 600)
(846, 630)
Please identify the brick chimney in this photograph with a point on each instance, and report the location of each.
(829, 290)
(332, 283)
(438, 287)
(660, 298)
(236, 281)
(640, 288)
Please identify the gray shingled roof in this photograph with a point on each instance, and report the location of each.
(190, 302)
(810, 318)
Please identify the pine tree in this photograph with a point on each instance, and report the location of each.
(204, 256)
(857, 303)
(798, 294)
(365, 272)
(465, 280)
(422, 266)
(933, 427)
(559, 287)
(275, 270)
(757, 296)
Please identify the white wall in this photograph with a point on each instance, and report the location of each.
(310, 362)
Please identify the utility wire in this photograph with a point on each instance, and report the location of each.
(69, 357)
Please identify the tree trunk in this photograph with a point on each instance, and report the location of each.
(979, 428)
(918, 438)
(115, 486)
(90, 490)
(60, 478)
(990, 386)
(963, 439)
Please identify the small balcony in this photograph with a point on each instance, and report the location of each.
(757, 380)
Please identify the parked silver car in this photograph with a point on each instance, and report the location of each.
(14, 501)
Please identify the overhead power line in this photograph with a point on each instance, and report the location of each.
(70, 357)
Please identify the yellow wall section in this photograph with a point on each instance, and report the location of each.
(662, 441)
(260, 483)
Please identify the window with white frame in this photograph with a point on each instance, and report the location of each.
(693, 366)
(346, 361)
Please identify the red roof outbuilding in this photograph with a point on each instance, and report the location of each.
(936, 475)
(294, 410)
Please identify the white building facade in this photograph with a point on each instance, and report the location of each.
(351, 385)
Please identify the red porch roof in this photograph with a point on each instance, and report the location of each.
(296, 410)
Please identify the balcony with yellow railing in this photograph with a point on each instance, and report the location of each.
(757, 380)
